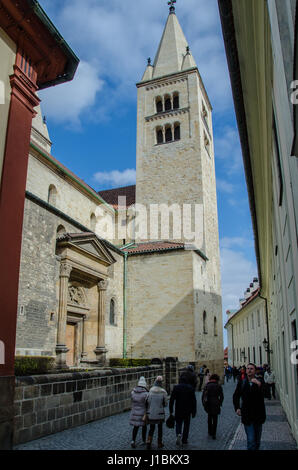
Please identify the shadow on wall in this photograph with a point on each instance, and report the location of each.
(189, 330)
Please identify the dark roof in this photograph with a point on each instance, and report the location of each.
(111, 195)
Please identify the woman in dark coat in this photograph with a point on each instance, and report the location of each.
(183, 395)
(212, 399)
(138, 409)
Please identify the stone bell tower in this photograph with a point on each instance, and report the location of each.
(175, 153)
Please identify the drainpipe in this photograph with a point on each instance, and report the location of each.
(233, 344)
(267, 322)
(124, 307)
(124, 300)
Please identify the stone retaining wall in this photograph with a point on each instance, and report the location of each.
(46, 404)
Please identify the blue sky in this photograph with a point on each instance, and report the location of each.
(92, 120)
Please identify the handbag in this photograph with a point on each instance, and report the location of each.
(170, 422)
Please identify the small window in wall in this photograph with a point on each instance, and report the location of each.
(207, 144)
(205, 323)
(159, 135)
(177, 131)
(248, 354)
(92, 222)
(260, 353)
(176, 101)
(169, 135)
(247, 324)
(52, 195)
(112, 312)
(159, 107)
(168, 104)
(259, 319)
(254, 354)
(215, 326)
(60, 230)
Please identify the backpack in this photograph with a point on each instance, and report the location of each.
(205, 399)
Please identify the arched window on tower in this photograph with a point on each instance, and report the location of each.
(92, 222)
(169, 135)
(205, 323)
(112, 312)
(168, 103)
(159, 135)
(159, 107)
(176, 101)
(177, 131)
(52, 195)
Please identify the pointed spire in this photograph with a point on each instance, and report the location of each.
(171, 51)
(188, 61)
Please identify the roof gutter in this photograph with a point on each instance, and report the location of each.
(73, 60)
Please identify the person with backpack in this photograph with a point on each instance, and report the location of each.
(212, 400)
(183, 395)
(138, 409)
(189, 375)
(252, 410)
(201, 377)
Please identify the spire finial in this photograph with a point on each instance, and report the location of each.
(172, 7)
(149, 60)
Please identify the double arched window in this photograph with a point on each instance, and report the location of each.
(167, 102)
(168, 133)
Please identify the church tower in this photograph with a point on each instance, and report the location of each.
(175, 150)
(179, 287)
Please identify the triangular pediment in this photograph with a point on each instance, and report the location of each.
(90, 244)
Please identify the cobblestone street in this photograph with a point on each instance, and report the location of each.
(114, 433)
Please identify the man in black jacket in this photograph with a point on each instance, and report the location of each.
(252, 411)
(185, 407)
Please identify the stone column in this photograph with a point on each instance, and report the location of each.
(83, 354)
(100, 349)
(61, 349)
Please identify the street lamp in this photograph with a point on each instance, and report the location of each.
(266, 346)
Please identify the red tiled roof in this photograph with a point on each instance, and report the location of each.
(111, 195)
(149, 247)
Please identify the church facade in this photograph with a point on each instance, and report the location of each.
(87, 295)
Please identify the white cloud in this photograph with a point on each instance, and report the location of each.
(237, 273)
(228, 150)
(66, 102)
(231, 242)
(224, 186)
(116, 178)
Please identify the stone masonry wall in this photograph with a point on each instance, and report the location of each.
(47, 404)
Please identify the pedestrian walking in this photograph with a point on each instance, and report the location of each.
(235, 373)
(156, 403)
(242, 374)
(252, 410)
(201, 376)
(269, 378)
(184, 398)
(212, 399)
(138, 410)
(190, 376)
(206, 377)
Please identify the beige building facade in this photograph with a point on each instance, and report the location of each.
(263, 68)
